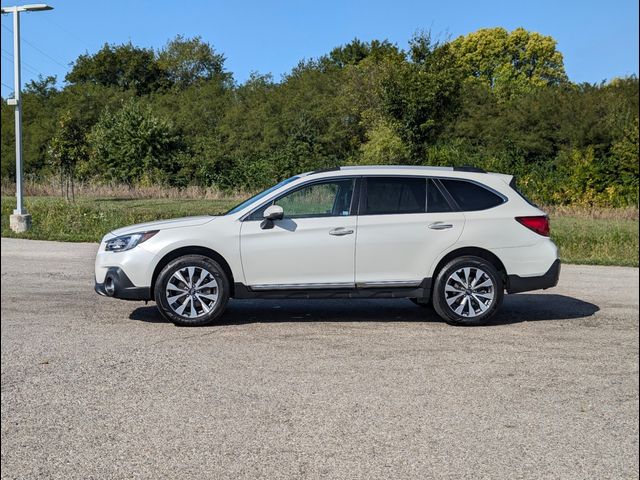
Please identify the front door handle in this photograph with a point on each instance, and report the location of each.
(440, 226)
(340, 231)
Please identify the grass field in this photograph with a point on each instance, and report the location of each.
(608, 238)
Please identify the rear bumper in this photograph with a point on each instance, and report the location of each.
(117, 285)
(516, 283)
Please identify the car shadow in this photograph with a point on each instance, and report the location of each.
(516, 309)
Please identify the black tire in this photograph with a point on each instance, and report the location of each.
(197, 298)
(474, 313)
(422, 302)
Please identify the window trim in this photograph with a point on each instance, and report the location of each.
(352, 207)
(359, 192)
(437, 181)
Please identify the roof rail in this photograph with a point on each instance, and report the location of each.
(469, 168)
(322, 170)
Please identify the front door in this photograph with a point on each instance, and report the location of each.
(313, 246)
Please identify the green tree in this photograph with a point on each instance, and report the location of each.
(355, 51)
(67, 149)
(132, 145)
(623, 163)
(510, 62)
(43, 87)
(383, 146)
(88, 101)
(186, 61)
(38, 126)
(7, 144)
(496, 99)
(374, 136)
(123, 66)
(421, 97)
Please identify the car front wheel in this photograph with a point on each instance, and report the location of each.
(468, 291)
(192, 291)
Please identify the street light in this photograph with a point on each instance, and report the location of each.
(20, 221)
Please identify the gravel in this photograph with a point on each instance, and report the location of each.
(95, 388)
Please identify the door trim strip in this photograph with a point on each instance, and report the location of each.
(320, 286)
(390, 283)
(302, 286)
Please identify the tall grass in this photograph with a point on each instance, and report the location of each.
(596, 241)
(51, 188)
(592, 213)
(88, 219)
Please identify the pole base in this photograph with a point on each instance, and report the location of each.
(20, 223)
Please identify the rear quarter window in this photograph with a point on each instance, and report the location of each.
(514, 187)
(470, 196)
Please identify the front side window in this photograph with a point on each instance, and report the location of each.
(325, 199)
(471, 196)
(394, 195)
(260, 195)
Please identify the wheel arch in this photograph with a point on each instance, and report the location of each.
(192, 250)
(476, 252)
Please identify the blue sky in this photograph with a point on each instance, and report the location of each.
(599, 40)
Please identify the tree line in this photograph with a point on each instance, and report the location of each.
(496, 99)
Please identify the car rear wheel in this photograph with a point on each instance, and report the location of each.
(192, 291)
(468, 291)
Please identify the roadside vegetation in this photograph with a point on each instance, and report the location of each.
(175, 117)
(598, 236)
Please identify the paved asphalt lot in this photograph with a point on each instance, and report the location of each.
(94, 388)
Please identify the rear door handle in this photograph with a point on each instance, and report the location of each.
(340, 231)
(440, 226)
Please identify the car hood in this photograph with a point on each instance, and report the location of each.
(164, 224)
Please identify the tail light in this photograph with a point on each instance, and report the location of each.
(538, 224)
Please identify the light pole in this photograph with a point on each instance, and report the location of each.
(20, 221)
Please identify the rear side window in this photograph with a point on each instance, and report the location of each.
(471, 196)
(436, 201)
(394, 195)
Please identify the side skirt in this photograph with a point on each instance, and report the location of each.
(241, 291)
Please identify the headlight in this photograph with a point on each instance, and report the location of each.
(127, 242)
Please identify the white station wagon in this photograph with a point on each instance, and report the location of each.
(451, 238)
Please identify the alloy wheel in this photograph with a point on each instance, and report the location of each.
(192, 292)
(469, 291)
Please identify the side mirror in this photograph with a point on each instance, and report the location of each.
(272, 213)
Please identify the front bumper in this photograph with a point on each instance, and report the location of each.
(117, 285)
(516, 283)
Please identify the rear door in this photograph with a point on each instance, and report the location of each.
(404, 223)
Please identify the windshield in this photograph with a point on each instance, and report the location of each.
(260, 195)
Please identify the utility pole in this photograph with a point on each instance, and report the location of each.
(20, 221)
